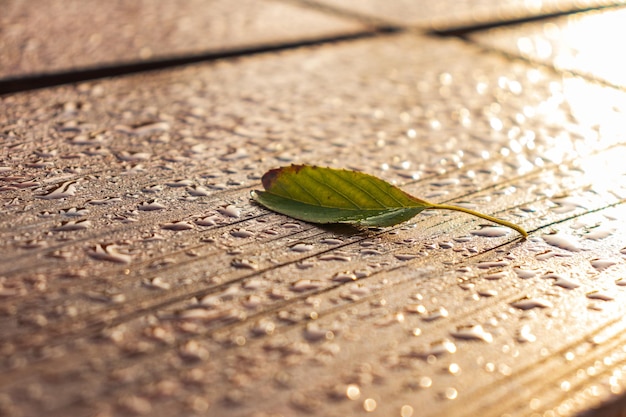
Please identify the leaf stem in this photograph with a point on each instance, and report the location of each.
(482, 216)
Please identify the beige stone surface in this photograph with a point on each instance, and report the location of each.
(138, 278)
(42, 36)
(451, 15)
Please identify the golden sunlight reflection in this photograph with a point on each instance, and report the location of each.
(600, 110)
(606, 172)
(596, 120)
(584, 43)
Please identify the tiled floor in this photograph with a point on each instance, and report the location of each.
(138, 278)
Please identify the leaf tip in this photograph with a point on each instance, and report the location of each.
(270, 177)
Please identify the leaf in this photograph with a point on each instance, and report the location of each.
(326, 195)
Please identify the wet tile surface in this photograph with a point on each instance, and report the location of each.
(576, 43)
(444, 15)
(139, 279)
(59, 35)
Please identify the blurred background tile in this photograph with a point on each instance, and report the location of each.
(451, 14)
(583, 43)
(61, 35)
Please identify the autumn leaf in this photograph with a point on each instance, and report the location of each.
(326, 195)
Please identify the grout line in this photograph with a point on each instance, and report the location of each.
(45, 80)
(373, 27)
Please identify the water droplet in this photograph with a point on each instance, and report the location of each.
(487, 293)
(438, 313)
(207, 221)
(335, 257)
(495, 264)
(491, 231)
(254, 284)
(65, 190)
(135, 405)
(355, 292)
(193, 351)
(133, 156)
(198, 191)
(437, 348)
(241, 233)
(177, 226)
(152, 189)
(263, 327)
(599, 233)
(529, 303)
(449, 182)
(425, 381)
(244, 264)
(406, 256)
(562, 241)
(524, 273)
(72, 225)
(602, 264)
(369, 405)
(567, 204)
(301, 247)
(416, 308)
(107, 298)
(105, 201)
(450, 393)
(344, 277)
(307, 285)
(496, 276)
(157, 283)
(544, 256)
(235, 154)
(600, 295)
(230, 211)
(406, 411)
(353, 392)
(313, 333)
(525, 335)
(252, 301)
(151, 205)
(370, 251)
(454, 368)
(561, 281)
(331, 241)
(179, 183)
(475, 332)
(74, 212)
(109, 253)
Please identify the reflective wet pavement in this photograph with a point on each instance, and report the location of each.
(138, 278)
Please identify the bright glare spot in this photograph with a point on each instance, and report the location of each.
(406, 411)
(575, 43)
(353, 392)
(369, 405)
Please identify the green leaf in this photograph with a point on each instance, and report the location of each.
(326, 195)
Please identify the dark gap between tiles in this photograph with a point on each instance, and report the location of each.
(32, 82)
(377, 27)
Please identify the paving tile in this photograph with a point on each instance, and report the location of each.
(446, 15)
(578, 43)
(138, 278)
(59, 35)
